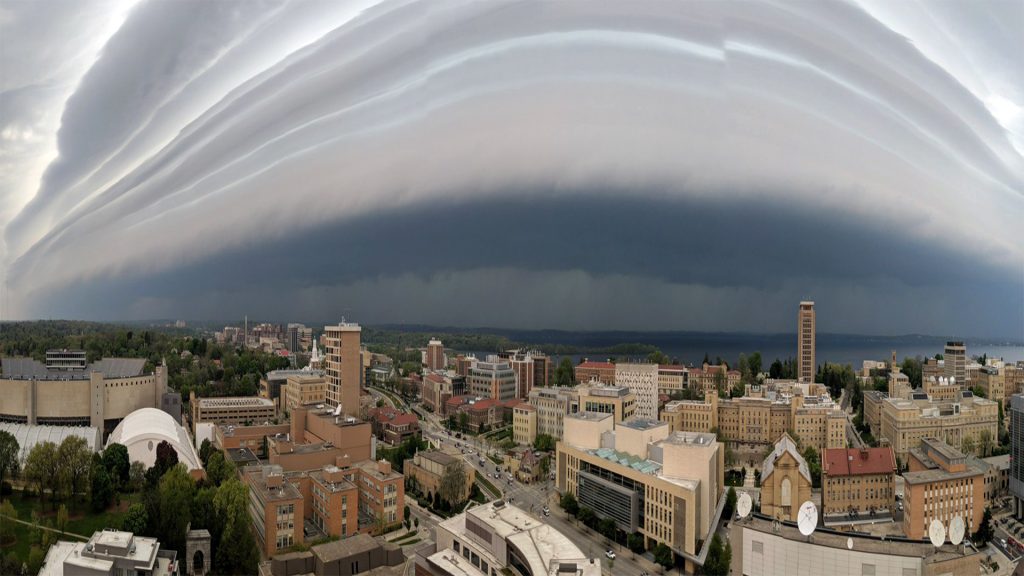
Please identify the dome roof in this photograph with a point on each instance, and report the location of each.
(141, 432)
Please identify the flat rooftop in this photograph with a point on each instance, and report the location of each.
(642, 423)
(236, 402)
(589, 416)
(940, 475)
(690, 439)
(345, 548)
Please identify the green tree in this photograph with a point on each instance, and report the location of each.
(205, 449)
(117, 463)
(912, 368)
(101, 492)
(985, 443)
(7, 532)
(544, 442)
(9, 449)
(545, 465)
(664, 556)
(635, 542)
(984, 532)
(166, 457)
(607, 528)
(979, 392)
(135, 519)
(452, 485)
(42, 467)
(204, 513)
(730, 502)
(136, 476)
(569, 504)
(219, 470)
(587, 516)
(36, 556)
(175, 504)
(967, 445)
(813, 464)
(754, 364)
(658, 357)
(716, 563)
(75, 464)
(236, 551)
(463, 421)
(406, 512)
(565, 373)
(62, 519)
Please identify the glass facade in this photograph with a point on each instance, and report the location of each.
(1017, 454)
(611, 495)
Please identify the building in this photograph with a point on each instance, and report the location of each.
(673, 378)
(298, 338)
(68, 391)
(231, 410)
(28, 436)
(712, 377)
(997, 476)
(251, 438)
(427, 468)
(343, 367)
(532, 369)
(666, 486)
(873, 402)
(381, 495)
(492, 378)
(110, 553)
(463, 364)
(939, 389)
(305, 389)
(526, 464)
(595, 396)
(434, 356)
(942, 483)
(333, 501)
(642, 380)
(272, 385)
(524, 424)
(319, 437)
(276, 508)
(485, 540)
(142, 432)
(805, 352)
(785, 481)
(906, 422)
(360, 554)
(763, 547)
(394, 426)
(954, 359)
(992, 382)
(861, 480)
(552, 404)
(586, 371)
(1017, 454)
(439, 387)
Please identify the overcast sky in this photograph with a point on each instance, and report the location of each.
(578, 165)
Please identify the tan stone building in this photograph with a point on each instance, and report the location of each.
(524, 424)
(587, 371)
(618, 401)
(861, 480)
(552, 404)
(993, 384)
(785, 481)
(906, 422)
(232, 410)
(873, 402)
(692, 415)
(343, 366)
(942, 483)
(302, 390)
(276, 508)
(427, 468)
(332, 502)
(805, 355)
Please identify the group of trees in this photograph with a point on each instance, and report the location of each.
(64, 471)
(399, 454)
(663, 555)
(719, 557)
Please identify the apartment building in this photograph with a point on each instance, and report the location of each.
(942, 483)
(492, 378)
(861, 480)
(276, 508)
(333, 502)
(552, 404)
(954, 358)
(619, 401)
(231, 410)
(305, 389)
(805, 355)
(524, 424)
(343, 366)
(381, 495)
(586, 371)
(642, 380)
(785, 481)
(905, 422)
(434, 358)
(427, 469)
(992, 383)
(666, 486)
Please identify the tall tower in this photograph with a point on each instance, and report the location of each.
(342, 366)
(954, 359)
(435, 355)
(805, 342)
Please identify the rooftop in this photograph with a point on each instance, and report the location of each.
(236, 402)
(642, 423)
(590, 416)
(858, 462)
(604, 365)
(29, 369)
(345, 548)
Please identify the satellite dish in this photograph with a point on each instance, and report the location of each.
(744, 505)
(956, 530)
(849, 543)
(952, 380)
(807, 518)
(936, 533)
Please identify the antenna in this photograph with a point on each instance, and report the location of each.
(956, 530)
(807, 518)
(936, 533)
(744, 505)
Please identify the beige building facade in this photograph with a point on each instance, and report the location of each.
(305, 390)
(906, 422)
(785, 481)
(524, 424)
(343, 366)
(805, 353)
(942, 483)
(861, 480)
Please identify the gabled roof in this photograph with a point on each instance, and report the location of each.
(784, 445)
(857, 462)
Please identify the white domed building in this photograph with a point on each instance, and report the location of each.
(141, 432)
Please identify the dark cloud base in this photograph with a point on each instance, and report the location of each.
(757, 244)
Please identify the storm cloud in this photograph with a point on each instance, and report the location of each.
(534, 164)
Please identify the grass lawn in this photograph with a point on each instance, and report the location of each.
(496, 460)
(81, 519)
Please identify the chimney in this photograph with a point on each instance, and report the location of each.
(384, 467)
(274, 480)
(299, 425)
(863, 453)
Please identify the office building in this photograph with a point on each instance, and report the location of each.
(464, 363)
(427, 468)
(434, 356)
(360, 554)
(618, 401)
(276, 508)
(394, 426)
(942, 483)
(318, 437)
(488, 540)
(305, 389)
(439, 387)
(492, 378)
(552, 405)
(110, 553)
(231, 410)
(805, 352)
(954, 359)
(862, 480)
(785, 481)
(532, 369)
(905, 422)
(343, 366)
(524, 424)
(666, 486)
(642, 380)
(586, 371)
(272, 385)
(298, 338)
(68, 391)
(1016, 417)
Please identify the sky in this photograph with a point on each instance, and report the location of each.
(574, 165)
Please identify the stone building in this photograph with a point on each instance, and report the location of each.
(785, 481)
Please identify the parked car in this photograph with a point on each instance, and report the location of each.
(609, 554)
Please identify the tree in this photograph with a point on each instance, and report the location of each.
(985, 443)
(219, 469)
(664, 556)
(544, 443)
(75, 463)
(166, 457)
(587, 516)
(967, 445)
(101, 491)
(607, 528)
(175, 504)
(36, 556)
(205, 449)
(565, 373)
(730, 502)
(658, 357)
(452, 486)
(136, 475)
(117, 463)
(62, 519)
(416, 522)
(135, 519)
(716, 563)
(984, 532)
(635, 542)
(545, 465)
(979, 392)
(754, 364)
(7, 533)
(814, 465)
(9, 450)
(42, 467)
(912, 368)
(463, 421)
(236, 551)
(405, 515)
(569, 504)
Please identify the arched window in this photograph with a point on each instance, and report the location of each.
(787, 496)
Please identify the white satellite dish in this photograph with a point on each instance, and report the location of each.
(956, 530)
(849, 543)
(952, 380)
(807, 518)
(936, 533)
(743, 505)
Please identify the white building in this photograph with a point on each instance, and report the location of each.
(642, 379)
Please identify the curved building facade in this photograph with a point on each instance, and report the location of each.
(144, 429)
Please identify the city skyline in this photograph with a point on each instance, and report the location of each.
(201, 160)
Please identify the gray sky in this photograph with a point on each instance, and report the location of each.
(581, 165)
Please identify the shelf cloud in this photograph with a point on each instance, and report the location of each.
(574, 164)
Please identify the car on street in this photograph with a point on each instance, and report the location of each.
(546, 510)
(609, 554)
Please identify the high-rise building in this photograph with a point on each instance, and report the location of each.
(642, 380)
(343, 367)
(805, 342)
(1017, 454)
(435, 355)
(298, 338)
(954, 359)
(493, 378)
